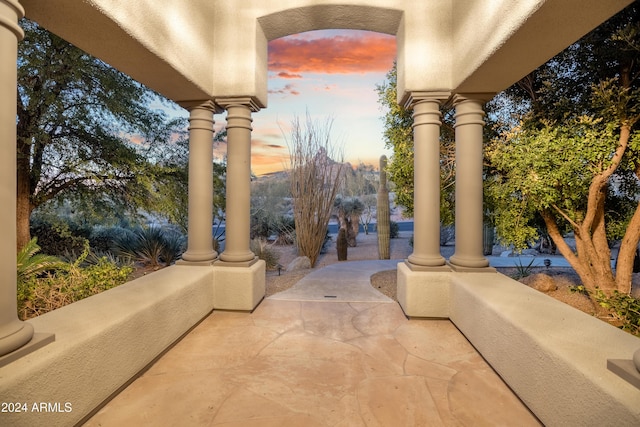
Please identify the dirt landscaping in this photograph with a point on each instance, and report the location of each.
(554, 281)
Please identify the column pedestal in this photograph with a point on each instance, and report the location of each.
(239, 276)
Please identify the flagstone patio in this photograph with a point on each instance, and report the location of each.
(307, 363)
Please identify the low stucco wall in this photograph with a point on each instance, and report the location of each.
(553, 356)
(101, 343)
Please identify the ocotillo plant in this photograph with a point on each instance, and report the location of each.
(383, 212)
(342, 245)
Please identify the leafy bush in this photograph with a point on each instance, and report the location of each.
(57, 238)
(70, 283)
(394, 230)
(625, 308)
(263, 250)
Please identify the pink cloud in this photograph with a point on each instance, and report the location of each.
(371, 52)
(286, 90)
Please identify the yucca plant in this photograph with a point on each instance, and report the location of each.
(30, 263)
(151, 246)
(174, 246)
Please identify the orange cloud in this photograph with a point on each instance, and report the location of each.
(368, 52)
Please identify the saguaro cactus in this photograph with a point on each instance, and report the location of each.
(342, 245)
(383, 215)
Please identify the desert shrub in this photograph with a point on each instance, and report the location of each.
(262, 224)
(325, 244)
(69, 283)
(102, 239)
(174, 246)
(394, 230)
(56, 237)
(150, 246)
(218, 236)
(285, 231)
(523, 270)
(263, 250)
(625, 308)
(447, 233)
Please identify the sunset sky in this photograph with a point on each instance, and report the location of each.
(329, 74)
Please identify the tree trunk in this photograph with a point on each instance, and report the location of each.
(591, 263)
(23, 195)
(627, 253)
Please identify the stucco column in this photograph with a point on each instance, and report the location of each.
(469, 210)
(199, 239)
(426, 181)
(13, 332)
(237, 218)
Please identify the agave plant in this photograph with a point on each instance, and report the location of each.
(151, 246)
(30, 263)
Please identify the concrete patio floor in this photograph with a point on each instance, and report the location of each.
(318, 363)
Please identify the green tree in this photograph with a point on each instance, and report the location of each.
(398, 135)
(572, 162)
(84, 132)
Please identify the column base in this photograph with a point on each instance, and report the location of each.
(196, 263)
(462, 263)
(420, 267)
(202, 258)
(237, 287)
(423, 293)
(465, 269)
(39, 340)
(427, 262)
(249, 263)
(16, 334)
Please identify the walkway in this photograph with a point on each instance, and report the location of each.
(316, 361)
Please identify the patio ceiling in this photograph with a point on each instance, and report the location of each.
(190, 50)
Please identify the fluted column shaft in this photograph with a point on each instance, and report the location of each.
(469, 210)
(13, 332)
(426, 192)
(199, 240)
(237, 219)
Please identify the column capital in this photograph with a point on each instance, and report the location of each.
(247, 101)
(11, 22)
(417, 96)
(482, 97)
(468, 111)
(205, 104)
